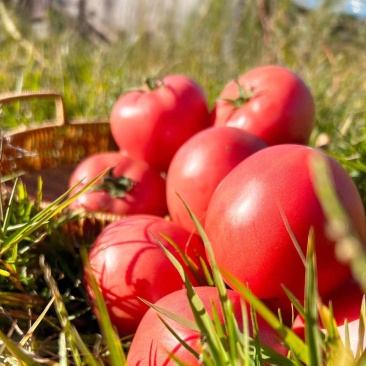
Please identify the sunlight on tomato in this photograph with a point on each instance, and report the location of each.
(271, 102)
(128, 263)
(246, 217)
(199, 166)
(153, 122)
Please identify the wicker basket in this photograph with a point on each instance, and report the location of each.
(53, 149)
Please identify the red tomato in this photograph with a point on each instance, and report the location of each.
(131, 187)
(269, 101)
(199, 166)
(151, 124)
(154, 344)
(93, 165)
(346, 303)
(128, 263)
(248, 233)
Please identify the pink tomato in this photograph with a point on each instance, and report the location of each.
(271, 102)
(127, 263)
(199, 166)
(152, 123)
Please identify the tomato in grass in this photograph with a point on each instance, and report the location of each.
(127, 263)
(199, 166)
(154, 344)
(271, 102)
(247, 215)
(152, 123)
(130, 187)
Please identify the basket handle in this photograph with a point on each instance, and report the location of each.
(60, 113)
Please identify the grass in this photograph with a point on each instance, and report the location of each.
(43, 303)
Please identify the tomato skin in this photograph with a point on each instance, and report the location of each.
(93, 165)
(153, 341)
(248, 234)
(146, 196)
(128, 263)
(199, 166)
(281, 109)
(152, 124)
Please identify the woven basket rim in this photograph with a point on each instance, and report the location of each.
(51, 124)
(100, 216)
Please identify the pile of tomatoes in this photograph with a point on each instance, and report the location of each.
(243, 168)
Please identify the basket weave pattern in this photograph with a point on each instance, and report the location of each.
(51, 146)
(51, 150)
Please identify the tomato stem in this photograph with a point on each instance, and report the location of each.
(243, 97)
(153, 83)
(115, 186)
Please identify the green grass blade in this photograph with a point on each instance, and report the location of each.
(244, 339)
(207, 272)
(176, 317)
(117, 355)
(218, 326)
(356, 165)
(45, 215)
(17, 352)
(332, 338)
(9, 209)
(229, 318)
(255, 331)
(192, 267)
(202, 318)
(62, 349)
(181, 341)
(362, 359)
(312, 330)
(299, 348)
(84, 351)
(361, 329)
(295, 302)
(36, 323)
(292, 234)
(74, 341)
(347, 240)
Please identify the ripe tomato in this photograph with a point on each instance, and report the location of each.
(199, 166)
(128, 263)
(247, 230)
(154, 344)
(152, 123)
(346, 302)
(131, 187)
(93, 165)
(269, 101)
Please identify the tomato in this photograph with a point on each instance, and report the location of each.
(152, 123)
(245, 221)
(93, 165)
(271, 102)
(154, 344)
(128, 263)
(346, 302)
(131, 187)
(199, 166)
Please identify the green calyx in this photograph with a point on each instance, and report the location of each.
(154, 83)
(244, 96)
(115, 186)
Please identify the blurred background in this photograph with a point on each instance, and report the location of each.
(92, 51)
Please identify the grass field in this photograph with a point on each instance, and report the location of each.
(325, 49)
